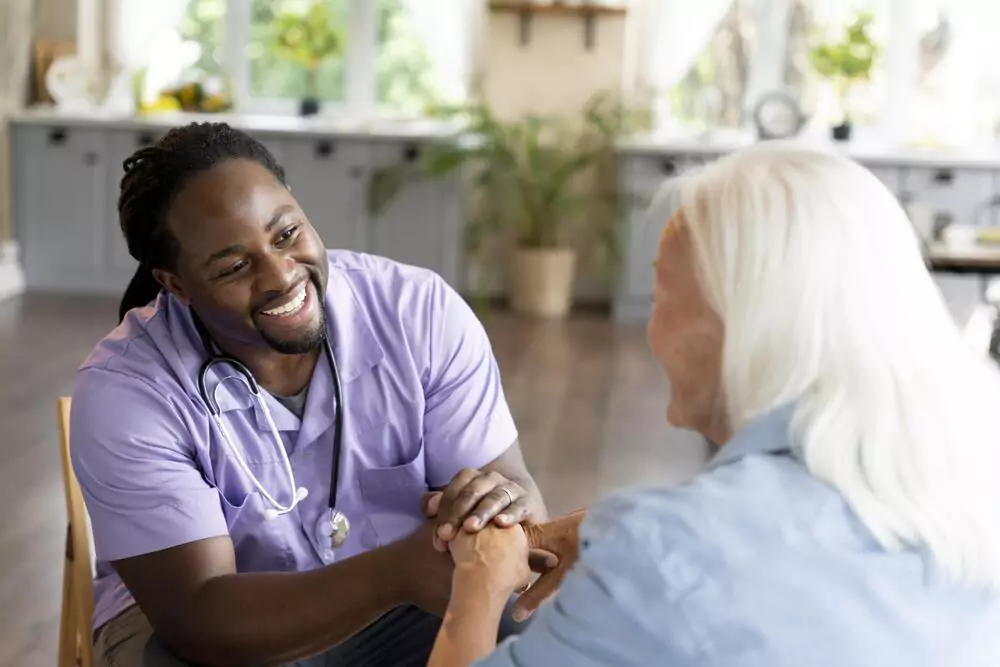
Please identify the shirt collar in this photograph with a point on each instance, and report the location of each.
(768, 433)
(355, 348)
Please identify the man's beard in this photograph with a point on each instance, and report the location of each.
(308, 341)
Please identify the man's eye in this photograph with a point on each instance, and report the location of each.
(235, 268)
(287, 234)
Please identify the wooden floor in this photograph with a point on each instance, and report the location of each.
(587, 397)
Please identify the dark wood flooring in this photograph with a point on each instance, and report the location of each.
(588, 398)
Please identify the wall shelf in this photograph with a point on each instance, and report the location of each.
(587, 12)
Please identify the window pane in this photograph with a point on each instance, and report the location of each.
(203, 25)
(405, 71)
(713, 92)
(282, 73)
(814, 22)
(956, 96)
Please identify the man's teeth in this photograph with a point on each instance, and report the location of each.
(289, 307)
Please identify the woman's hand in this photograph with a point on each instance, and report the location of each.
(494, 557)
(560, 538)
(490, 564)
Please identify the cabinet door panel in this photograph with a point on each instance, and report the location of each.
(62, 201)
(422, 225)
(121, 145)
(959, 193)
(891, 177)
(327, 178)
(647, 181)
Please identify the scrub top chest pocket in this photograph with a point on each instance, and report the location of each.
(261, 543)
(392, 494)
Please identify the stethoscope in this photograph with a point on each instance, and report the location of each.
(332, 526)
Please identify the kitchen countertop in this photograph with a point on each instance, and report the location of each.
(314, 126)
(869, 153)
(652, 145)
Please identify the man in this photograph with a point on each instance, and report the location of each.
(851, 513)
(210, 487)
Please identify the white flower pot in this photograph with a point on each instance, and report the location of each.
(541, 281)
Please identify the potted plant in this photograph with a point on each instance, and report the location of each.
(535, 182)
(847, 62)
(307, 39)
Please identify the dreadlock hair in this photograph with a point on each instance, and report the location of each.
(154, 175)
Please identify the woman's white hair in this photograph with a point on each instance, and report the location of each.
(818, 277)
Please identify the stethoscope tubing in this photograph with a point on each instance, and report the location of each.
(247, 377)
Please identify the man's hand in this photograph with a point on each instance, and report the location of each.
(560, 538)
(424, 573)
(472, 500)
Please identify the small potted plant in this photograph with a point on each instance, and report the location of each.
(534, 183)
(307, 39)
(847, 62)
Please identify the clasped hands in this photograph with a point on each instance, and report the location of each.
(487, 524)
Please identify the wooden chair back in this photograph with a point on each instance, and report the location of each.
(75, 625)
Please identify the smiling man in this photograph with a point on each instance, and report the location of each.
(255, 439)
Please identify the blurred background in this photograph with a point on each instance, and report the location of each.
(513, 147)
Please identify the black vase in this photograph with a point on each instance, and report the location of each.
(309, 107)
(841, 132)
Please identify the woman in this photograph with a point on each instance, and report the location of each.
(851, 514)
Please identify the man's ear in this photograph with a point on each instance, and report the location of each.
(173, 284)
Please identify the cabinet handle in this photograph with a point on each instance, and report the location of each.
(944, 176)
(90, 158)
(57, 136)
(411, 153)
(144, 139)
(323, 149)
(668, 167)
(357, 172)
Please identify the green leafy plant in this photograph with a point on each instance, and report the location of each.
(532, 181)
(307, 39)
(848, 60)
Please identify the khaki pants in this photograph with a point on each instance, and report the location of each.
(402, 638)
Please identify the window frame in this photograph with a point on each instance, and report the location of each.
(360, 65)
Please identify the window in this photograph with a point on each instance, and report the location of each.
(388, 57)
(712, 93)
(935, 79)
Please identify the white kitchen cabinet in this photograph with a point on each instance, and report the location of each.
(646, 179)
(59, 201)
(956, 192)
(327, 178)
(422, 225)
(121, 145)
(891, 177)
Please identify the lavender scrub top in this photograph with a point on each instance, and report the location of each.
(423, 399)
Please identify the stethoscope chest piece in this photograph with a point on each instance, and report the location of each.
(333, 528)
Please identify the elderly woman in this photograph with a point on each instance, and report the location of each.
(851, 513)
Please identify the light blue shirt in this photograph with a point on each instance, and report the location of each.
(755, 563)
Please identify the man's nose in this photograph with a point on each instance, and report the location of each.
(275, 273)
